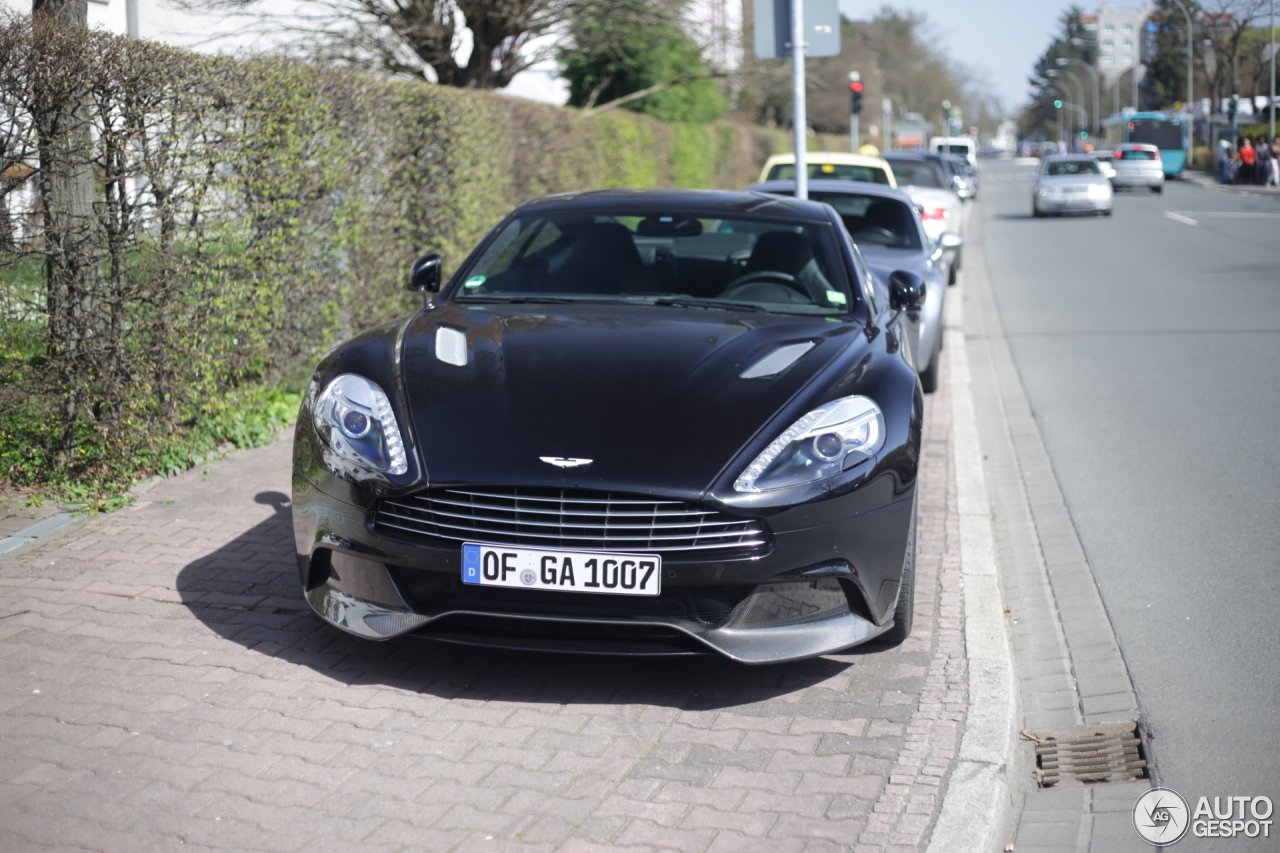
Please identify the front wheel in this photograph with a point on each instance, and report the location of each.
(904, 613)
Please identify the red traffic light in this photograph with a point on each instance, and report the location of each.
(855, 86)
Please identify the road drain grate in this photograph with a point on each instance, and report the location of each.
(1089, 755)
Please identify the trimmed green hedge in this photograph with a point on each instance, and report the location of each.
(247, 216)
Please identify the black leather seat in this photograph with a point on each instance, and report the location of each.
(602, 259)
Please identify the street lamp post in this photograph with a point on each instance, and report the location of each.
(1190, 33)
(1062, 60)
(1273, 70)
(1054, 72)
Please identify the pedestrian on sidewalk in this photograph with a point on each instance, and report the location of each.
(1244, 174)
(1224, 161)
(1273, 179)
(1261, 162)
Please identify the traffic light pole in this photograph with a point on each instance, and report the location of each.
(799, 119)
(855, 107)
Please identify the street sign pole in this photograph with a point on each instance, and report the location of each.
(886, 107)
(799, 119)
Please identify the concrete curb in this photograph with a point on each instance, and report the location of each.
(65, 520)
(1208, 181)
(977, 804)
(40, 529)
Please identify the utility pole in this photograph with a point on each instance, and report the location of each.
(886, 107)
(799, 117)
(1190, 34)
(855, 108)
(1273, 70)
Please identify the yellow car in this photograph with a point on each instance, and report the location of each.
(830, 166)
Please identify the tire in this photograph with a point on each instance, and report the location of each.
(1035, 211)
(1106, 212)
(1158, 190)
(929, 376)
(951, 273)
(904, 613)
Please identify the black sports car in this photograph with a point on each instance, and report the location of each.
(633, 422)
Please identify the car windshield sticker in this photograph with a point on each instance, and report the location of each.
(835, 297)
(474, 281)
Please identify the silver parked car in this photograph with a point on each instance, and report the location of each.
(889, 235)
(1138, 165)
(1071, 183)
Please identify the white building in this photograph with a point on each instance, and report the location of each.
(1119, 33)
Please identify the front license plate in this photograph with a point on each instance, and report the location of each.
(565, 571)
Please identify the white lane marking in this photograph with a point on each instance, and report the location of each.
(1242, 214)
(1185, 220)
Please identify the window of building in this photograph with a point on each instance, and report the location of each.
(1128, 60)
(1107, 45)
(1109, 28)
(1128, 44)
(1107, 61)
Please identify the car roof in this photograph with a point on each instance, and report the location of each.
(851, 187)
(839, 158)
(1082, 156)
(1138, 146)
(703, 203)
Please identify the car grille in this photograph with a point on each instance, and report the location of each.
(570, 518)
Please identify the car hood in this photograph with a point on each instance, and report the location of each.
(651, 395)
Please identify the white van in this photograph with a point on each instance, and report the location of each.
(964, 146)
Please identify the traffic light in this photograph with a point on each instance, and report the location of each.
(855, 90)
(1057, 105)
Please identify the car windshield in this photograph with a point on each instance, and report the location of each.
(957, 149)
(831, 172)
(915, 173)
(1136, 154)
(874, 219)
(1059, 168)
(676, 258)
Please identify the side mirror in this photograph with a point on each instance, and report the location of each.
(906, 290)
(950, 240)
(424, 276)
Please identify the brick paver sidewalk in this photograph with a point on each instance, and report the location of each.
(161, 684)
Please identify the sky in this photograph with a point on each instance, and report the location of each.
(1001, 39)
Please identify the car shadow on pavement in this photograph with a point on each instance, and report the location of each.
(248, 592)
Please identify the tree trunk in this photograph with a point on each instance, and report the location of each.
(66, 182)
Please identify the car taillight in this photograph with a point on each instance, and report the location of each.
(934, 213)
(1157, 153)
(1119, 154)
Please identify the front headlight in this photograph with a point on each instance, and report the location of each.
(823, 443)
(353, 416)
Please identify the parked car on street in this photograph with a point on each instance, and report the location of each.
(928, 182)
(960, 146)
(830, 166)
(1071, 183)
(964, 178)
(1138, 165)
(1105, 158)
(886, 228)
(640, 422)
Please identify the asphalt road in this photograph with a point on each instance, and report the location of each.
(1149, 346)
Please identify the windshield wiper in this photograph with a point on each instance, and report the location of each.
(709, 303)
(515, 299)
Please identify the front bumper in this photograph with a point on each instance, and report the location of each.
(1070, 204)
(812, 591)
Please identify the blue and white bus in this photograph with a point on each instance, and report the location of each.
(1167, 132)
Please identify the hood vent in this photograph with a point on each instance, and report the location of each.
(777, 361)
